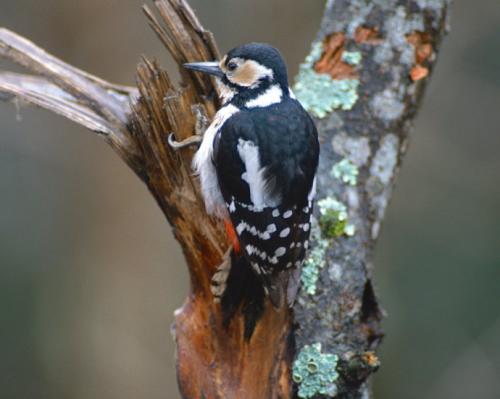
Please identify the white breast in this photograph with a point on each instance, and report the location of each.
(204, 166)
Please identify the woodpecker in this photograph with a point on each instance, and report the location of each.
(257, 164)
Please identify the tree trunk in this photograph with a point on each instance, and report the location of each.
(363, 82)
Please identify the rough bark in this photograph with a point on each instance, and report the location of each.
(398, 42)
(394, 38)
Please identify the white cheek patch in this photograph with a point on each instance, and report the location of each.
(204, 167)
(271, 96)
(259, 187)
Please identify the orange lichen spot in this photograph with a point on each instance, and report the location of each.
(367, 35)
(331, 59)
(371, 359)
(423, 51)
(418, 72)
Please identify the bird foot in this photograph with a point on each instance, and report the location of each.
(219, 279)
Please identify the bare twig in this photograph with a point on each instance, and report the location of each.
(85, 99)
(41, 93)
(96, 95)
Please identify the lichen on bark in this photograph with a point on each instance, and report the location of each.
(341, 311)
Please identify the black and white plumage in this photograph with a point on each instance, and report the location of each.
(257, 165)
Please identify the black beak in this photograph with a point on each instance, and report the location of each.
(212, 68)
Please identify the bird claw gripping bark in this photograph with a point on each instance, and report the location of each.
(202, 122)
(219, 279)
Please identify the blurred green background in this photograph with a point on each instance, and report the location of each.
(90, 274)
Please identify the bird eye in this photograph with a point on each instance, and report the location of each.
(231, 66)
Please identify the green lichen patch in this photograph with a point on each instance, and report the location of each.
(333, 220)
(318, 92)
(351, 57)
(346, 172)
(332, 223)
(314, 261)
(315, 372)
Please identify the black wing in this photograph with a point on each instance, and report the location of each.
(274, 237)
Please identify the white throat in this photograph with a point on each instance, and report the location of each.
(226, 93)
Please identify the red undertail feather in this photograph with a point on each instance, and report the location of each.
(232, 238)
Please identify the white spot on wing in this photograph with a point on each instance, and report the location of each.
(271, 228)
(232, 206)
(256, 267)
(276, 213)
(273, 260)
(280, 251)
(251, 208)
(285, 232)
(263, 235)
(250, 249)
(287, 214)
(240, 228)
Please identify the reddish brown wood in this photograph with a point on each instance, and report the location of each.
(212, 361)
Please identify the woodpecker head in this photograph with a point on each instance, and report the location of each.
(246, 71)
